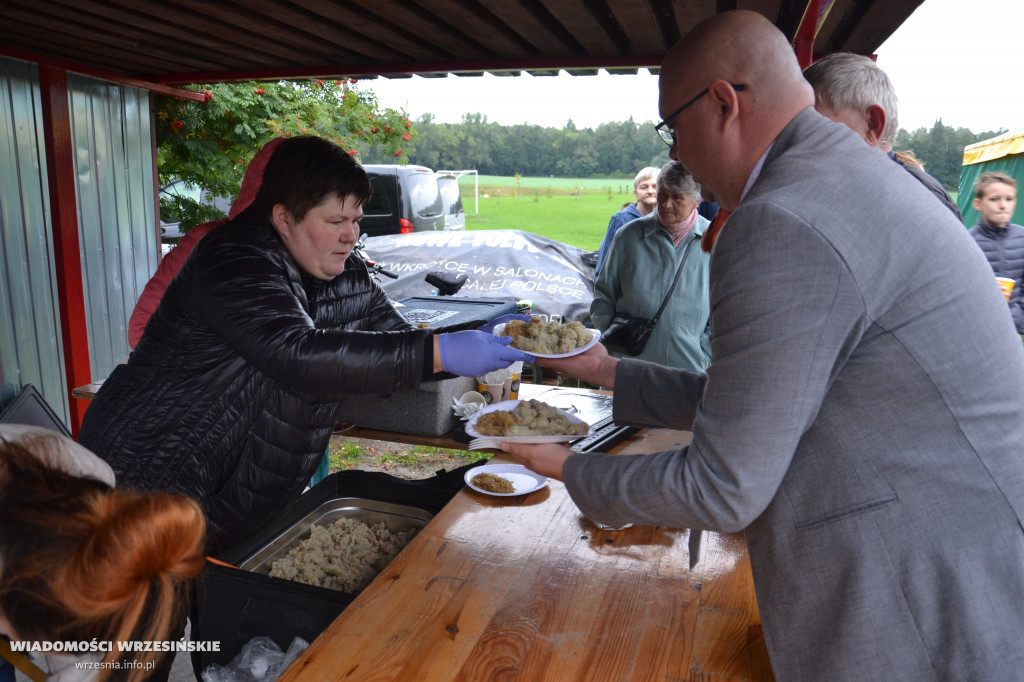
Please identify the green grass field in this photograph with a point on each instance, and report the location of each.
(569, 210)
(567, 184)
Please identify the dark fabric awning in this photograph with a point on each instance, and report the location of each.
(223, 40)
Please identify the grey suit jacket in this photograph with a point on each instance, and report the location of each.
(862, 420)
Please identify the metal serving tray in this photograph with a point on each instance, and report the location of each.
(395, 517)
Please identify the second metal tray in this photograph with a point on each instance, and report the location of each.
(395, 517)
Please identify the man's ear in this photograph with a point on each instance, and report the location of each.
(875, 119)
(281, 217)
(976, 204)
(727, 101)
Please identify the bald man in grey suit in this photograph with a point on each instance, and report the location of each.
(863, 416)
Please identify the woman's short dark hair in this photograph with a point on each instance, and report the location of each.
(303, 171)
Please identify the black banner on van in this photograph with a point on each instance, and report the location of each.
(499, 264)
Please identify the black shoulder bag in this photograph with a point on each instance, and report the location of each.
(628, 334)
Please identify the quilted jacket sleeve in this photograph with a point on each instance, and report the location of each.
(258, 302)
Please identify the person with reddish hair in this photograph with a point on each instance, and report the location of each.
(172, 262)
(81, 561)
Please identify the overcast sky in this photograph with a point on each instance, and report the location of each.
(959, 61)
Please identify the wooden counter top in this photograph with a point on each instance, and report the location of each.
(87, 392)
(527, 589)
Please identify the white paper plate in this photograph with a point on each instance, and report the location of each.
(595, 336)
(524, 480)
(508, 406)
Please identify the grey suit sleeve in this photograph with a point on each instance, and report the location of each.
(656, 396)
(782, 331)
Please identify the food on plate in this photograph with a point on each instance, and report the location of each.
(546, 338)
(493, 483)
(528, 418)
(345, 556)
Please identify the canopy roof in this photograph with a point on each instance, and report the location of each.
(994, 148)
(183, 41)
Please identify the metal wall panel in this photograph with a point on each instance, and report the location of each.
(111, 130)
(112, 138)
(30, 346)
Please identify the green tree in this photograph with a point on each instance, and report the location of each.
(941, 149)
(575, 152)
(475, 142)
(428, 148)
(209, 144)
(612, 150)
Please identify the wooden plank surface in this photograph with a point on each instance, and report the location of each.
(527, 589)
(86, 392)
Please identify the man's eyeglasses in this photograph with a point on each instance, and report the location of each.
(667, 133)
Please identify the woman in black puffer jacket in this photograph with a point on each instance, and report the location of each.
(234, 389)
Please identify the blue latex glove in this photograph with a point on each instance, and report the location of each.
(504, 319)
(475, 353)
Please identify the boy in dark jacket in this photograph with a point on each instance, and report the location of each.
(995, 197)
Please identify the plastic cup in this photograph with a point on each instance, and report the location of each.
(511, 390)
(492, 393)
(472, 397)
(1006, 284)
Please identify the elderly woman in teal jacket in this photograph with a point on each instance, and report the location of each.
(641, 266)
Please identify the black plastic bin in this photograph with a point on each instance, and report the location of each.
(232, 606)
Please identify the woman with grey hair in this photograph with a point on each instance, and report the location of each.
(641, 267)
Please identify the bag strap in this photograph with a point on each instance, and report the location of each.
(686, 252)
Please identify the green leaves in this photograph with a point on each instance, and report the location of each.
(210, 144)
(610, 150)
(941, 149)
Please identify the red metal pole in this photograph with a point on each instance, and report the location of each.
(53, 85)
(803, 42)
